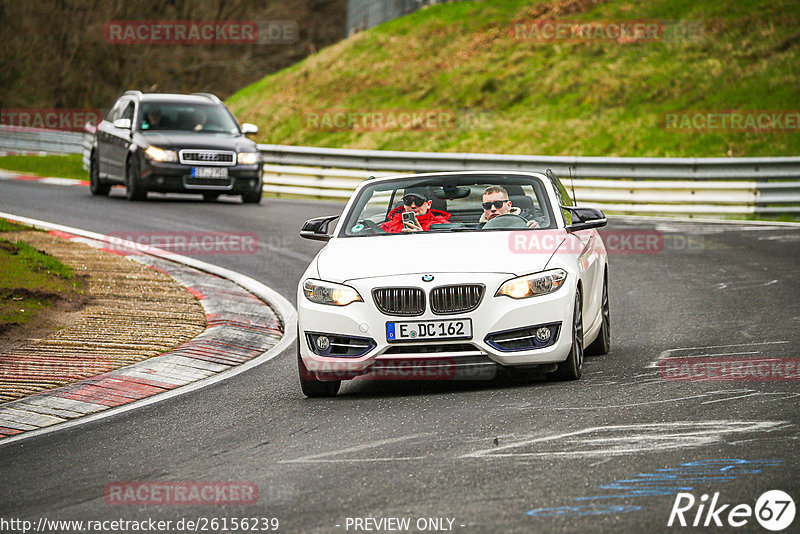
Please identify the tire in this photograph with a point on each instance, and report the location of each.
(252, 198)
(134, 190)
(602, 344)
(96, 187)
(210, 197)
(572, 367)
(313, 388)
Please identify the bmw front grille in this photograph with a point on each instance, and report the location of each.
(404, 301)
(456, 298)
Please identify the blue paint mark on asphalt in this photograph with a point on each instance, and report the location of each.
(668, 481)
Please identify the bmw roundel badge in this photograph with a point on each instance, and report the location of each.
(427, 278)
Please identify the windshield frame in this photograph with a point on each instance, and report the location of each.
(356, 206)
(146, 105)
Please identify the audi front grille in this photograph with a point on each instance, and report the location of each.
(207, 157)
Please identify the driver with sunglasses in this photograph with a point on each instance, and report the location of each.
(496, 203)
(418, 200)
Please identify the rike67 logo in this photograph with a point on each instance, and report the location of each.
(774, 510)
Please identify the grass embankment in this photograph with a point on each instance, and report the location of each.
(514, 95)
(30, 281)
(66, 166)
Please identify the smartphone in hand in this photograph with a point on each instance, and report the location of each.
(410, 219)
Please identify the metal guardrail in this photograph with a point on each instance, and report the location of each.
(686, 186)
(18, 139)
(364, 14)
(581, 167)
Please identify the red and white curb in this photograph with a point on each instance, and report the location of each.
(19, 177)
(248, 324)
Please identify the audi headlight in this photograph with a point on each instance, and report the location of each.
(247, 158)
(533, 285)
(160, 155)
(330, 293)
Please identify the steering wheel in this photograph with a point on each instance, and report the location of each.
(369, 225)
(509, 220)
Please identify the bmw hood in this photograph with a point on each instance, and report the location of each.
(515, 253)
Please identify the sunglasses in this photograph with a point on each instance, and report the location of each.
(496, 203)
(413, 200)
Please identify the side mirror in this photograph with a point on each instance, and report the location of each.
(585, 218)
(248, 128)
(122, 124)
(317, 228)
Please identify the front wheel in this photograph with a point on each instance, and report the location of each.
(572, 367)
(96, 187)
(134, 190)
(251, 198)
(312, 387)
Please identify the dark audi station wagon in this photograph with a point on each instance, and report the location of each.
(171, 143)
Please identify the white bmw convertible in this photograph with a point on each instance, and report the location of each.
(434, 274)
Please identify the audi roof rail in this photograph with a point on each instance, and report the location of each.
(210, 96)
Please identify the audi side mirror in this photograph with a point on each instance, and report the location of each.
(248, 128)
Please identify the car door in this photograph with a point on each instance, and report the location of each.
(589, 256)
(120, 140)
(103, 150)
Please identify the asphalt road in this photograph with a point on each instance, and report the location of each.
(606, 453)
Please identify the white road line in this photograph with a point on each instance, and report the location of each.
(675, 352)
(601, 441)
(627, 405)
(312, 458)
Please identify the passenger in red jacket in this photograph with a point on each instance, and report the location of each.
(419, 201)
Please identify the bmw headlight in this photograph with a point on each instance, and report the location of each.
(330, 293)
(247, 158)
(533, 285)
(160, 155)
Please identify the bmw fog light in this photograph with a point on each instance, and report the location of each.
(543, 334)
(323, 343)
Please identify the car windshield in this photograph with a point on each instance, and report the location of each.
(186, 117)
(449, 203)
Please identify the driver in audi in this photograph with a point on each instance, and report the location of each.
(496, 203)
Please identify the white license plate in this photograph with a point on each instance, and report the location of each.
(426, 330)
(209, 172)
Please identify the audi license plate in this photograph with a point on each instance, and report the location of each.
(209, 172)
(428, 330)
